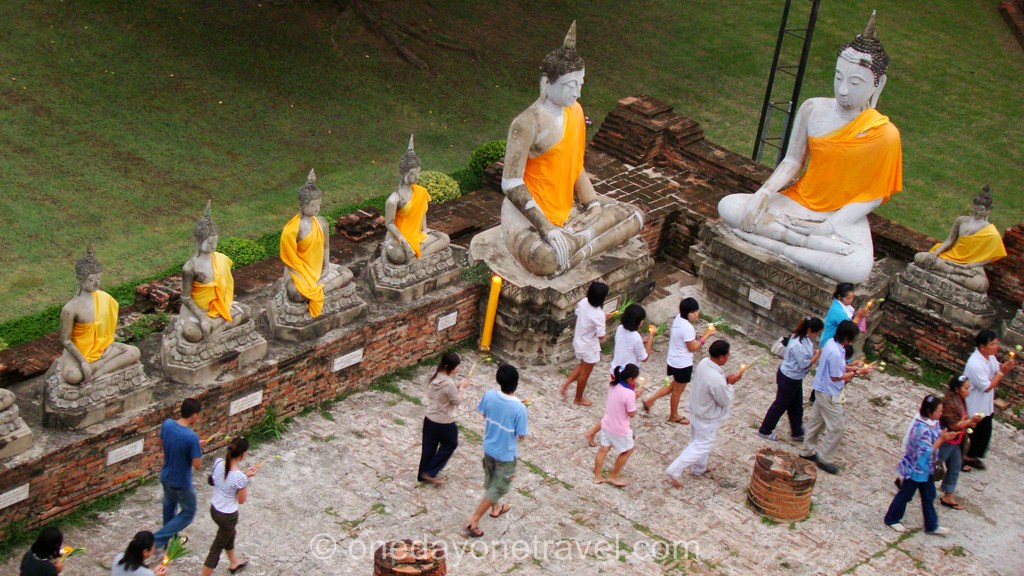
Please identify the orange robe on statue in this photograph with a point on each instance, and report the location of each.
(551, 177)
(305, 258)
(409, 218)
(93, 338)
(216, 297)
(847, 166)
(985, 244)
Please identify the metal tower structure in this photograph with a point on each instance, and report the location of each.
(779, 106)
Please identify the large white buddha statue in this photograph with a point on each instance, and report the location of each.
(853, 160)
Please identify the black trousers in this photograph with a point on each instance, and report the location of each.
(225, 538)
(980, 438)
(789, 399)
(439, 443)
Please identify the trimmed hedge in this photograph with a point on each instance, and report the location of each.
(441, 186)
(486, 154)
(242, 251)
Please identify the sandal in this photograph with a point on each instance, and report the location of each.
(681, 420)
(967, 468)
(473, 532)
(504, 508)
(239, 568)
(953, 505)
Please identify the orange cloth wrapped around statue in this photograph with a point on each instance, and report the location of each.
(551, 177)
(985, 245)
(835, 174)
(409, 218)
(216, 297)
(305, 259)
(93, 338)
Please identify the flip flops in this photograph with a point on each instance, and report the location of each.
(473, 532)
(238, 568)
(504, 508)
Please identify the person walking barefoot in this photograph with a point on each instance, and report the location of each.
(615, 430)
(586, 340)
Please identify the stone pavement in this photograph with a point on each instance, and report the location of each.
(342, 479)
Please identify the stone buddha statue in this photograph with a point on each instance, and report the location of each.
(87, 325)
(972, 243)
(305, 251)
(405, 215)
(208, 288)
(853, 161)
(551, 218)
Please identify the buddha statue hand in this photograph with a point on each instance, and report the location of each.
(86, 372)
(755, 210)
(807, 227)
(562, 242)
(590, 215)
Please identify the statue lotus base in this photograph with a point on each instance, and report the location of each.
(82, 405)
(291, 322)
(15, 435)
(536, 316)
(408, 282)
(764, 294)
(201, 362)
(925, 290)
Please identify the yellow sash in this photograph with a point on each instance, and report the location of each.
(551, 177)
(306, 260)
(846, 168)
(93, 338)
(985, 244)
(216, 297)
(409, 218)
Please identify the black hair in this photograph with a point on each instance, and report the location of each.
(596, 294)
(718, 348)
(929, 404)
(808, 324)
(48, 543)
(842, 289)
(984, 337)
(133, 554)
(449, 361)
(848, 352)
(847, 332)
(687, 305)
(508, 378)
(623, 373)
(633, 316)
(236, 448)
(190, 406)
(956, 382)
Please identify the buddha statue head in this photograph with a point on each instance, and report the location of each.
(206, 232)
(310, 196)
(87, 271)
(562, 72)
(409, 164)
(860, 70)
(983, 203)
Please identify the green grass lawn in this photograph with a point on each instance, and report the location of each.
(118, 119)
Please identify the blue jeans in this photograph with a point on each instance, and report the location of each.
(905, 495)
(951, 455)
(174, 498)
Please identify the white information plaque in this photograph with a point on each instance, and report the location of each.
(14, 496)
(124, 452)
(762, 298)
(246, 402)
(447, 321)
(346, 360)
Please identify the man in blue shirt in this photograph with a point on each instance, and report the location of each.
(182, 454)
(827, 414)
(504, 426)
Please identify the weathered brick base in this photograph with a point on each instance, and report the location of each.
(781, 485)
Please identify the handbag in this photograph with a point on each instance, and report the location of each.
(939, 472)
(779, 346)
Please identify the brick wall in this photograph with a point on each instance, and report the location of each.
(71, 475)
(1007, 275)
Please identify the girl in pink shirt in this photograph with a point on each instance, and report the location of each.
(615, 430)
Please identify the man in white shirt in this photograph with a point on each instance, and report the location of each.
(984, 372)
(711, 395)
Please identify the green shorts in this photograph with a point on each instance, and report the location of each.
(497, 478)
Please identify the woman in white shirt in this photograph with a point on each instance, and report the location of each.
(230, 488)
(586, 341)
(630, 348)
(682, 343)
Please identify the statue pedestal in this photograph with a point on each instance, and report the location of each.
(408, 282)
(200, 362)
(15, 435)
(82, 405)
(1014, 334)
(291, 322)
(536, 316)
(764, 294)
(919, 288)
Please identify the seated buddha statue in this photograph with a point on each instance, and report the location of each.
(87, 325)
(305, 251)
(972, 243)
(208, 304)
(853, 161)
(405, 215)
(551, 217)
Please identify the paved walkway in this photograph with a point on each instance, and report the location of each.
(344, 479)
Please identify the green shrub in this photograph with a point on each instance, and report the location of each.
(374, 202)
(242, 251)
(3, 345)
(485, 155)
(441, 186)
(468, 180)
(30, 327)
(271, 242)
